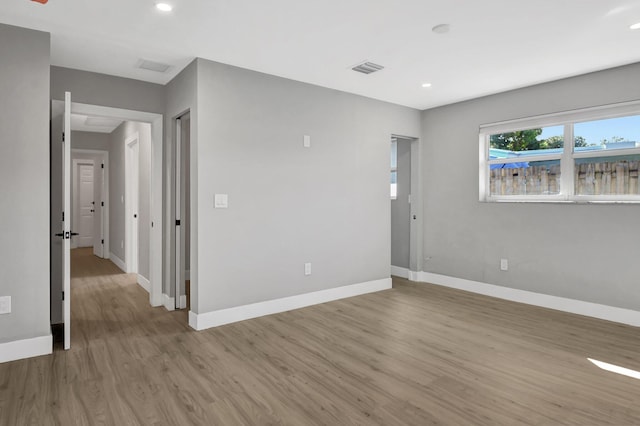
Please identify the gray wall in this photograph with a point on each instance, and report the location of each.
(288, 205)
(105, 90)
(117, 149)
(584, 252)
(401, 209)
(24, 182)
(89, 140)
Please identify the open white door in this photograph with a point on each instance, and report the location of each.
(66, 222)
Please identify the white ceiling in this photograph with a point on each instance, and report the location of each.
(95, 124)
(493, 45)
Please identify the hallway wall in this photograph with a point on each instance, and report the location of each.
(24, 185)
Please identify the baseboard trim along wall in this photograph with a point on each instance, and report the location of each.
(399, 272)
(144, 283)
(26, 348)
(254, 310)
(595, 310)
(183, 301)
(168, 302)
(118, 262)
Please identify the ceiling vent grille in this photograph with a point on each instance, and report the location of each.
(153, 66)
(367, 67)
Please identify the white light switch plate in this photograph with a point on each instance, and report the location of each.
(307, 268)
(221, 201)
(5, 305)
(306, 141)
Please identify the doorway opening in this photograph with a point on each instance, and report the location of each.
(99, 211)
(181, 251)
(405, 207)
(89, 198)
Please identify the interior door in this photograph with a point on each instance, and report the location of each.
(66, 222)
(86, 205)
(98, 219)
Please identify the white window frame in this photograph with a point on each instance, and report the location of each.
(567, 158)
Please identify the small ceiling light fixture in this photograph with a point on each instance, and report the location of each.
(426, 85)
(635, 26)
(164, 7)
(441, 29)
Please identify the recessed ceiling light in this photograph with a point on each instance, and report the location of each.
(164, 7)
(426, 84)
(635, 26)
(441, 29)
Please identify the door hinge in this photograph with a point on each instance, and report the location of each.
(102, 166)
(63, 139)
(63, 216)
(177, 222)
(102, 204)
(63, 296)
(102, 241)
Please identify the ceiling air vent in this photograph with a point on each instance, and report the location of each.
(367, 67)
(153, 66)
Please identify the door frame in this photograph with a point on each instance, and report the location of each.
(416, 260)
(103, 156)
(75, 205)
(156, 179)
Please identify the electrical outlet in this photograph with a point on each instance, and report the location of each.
(504, 264)
(5, 305)
(307, 268)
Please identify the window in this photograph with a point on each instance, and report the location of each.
(530, 159)
(394, 169)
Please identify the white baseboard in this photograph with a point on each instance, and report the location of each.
(595, 310)
(399, 272)
(254, 310)
(118, 262)
(144, 283)
(26, 348)
(183, 301)
(168, 302)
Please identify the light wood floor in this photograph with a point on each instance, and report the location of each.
(418, 354)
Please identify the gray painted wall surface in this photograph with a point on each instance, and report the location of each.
(117, 149)
(89, 140)
(180, 98)
(24, 182)
(401, 209)
(288, 205)
(106, 90)
(584, 252)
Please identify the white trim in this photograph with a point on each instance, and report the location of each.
(144, 283)
(187, 275)
(559, 118)
(414, 275)
(118, 262)
(400, 272)
(254, 310)
(26, 348)
(183, 301)
(595, 310)
(168, 302)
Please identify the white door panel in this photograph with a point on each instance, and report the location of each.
(85, 205)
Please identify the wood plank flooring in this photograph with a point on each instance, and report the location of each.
(417, 354)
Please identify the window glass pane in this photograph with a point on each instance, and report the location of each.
(613, 133)
(526, 178)
(607, 175)
(526, 143)
(394, 184)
